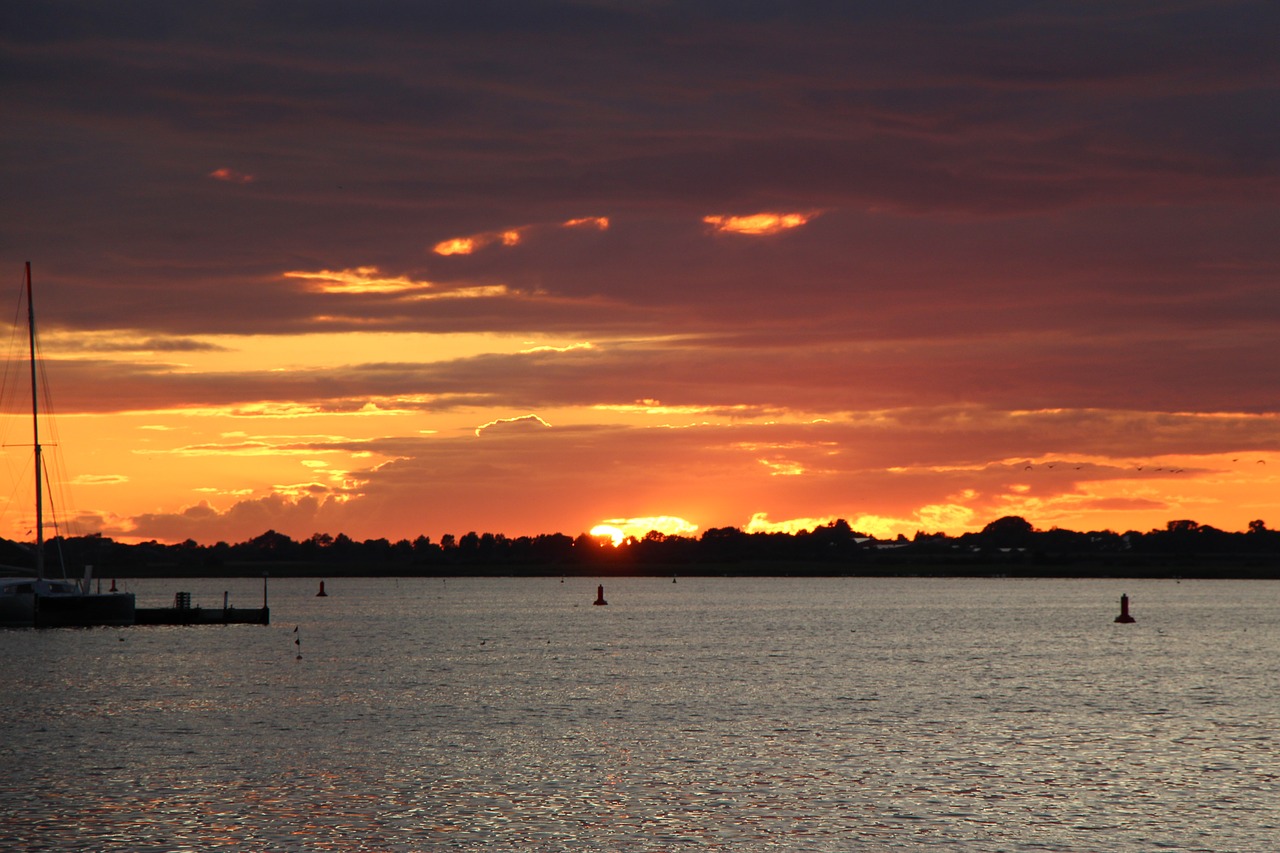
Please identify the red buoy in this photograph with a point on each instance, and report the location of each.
(600, 595)
(1124, 616)
(322, 592)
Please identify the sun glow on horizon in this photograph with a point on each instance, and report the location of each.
(760, 523)
(614, 533)
(638, 528)
(335, 410)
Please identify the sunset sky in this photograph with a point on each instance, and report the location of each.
(390, 269)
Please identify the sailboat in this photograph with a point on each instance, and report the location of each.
(40, 602)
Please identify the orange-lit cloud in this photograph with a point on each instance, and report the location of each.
(476, 242)
(656, 407)
(947, 517)
(362, 280)
(932, 517)
(757, 223)
(783, 467)
(567, 348)
(297, 490)
(285, 410)
(99, 480)
(256, 447)
(479, 291)
(472, 243)
(698, 473)
(358, 280)
(456, 246)
(231, 176)
(524, 423)
(600, 223)
(760, 523)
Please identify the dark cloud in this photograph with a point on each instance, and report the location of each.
(243, 520)
(1045, 365)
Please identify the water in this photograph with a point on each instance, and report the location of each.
(721, 714)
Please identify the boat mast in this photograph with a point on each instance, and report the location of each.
(35, 432)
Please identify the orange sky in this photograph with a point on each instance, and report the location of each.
(653, 269)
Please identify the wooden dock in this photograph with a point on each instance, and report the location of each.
(202, 616)
(182, 613)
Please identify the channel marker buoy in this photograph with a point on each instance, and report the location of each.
(600, 595)
(1124, 616)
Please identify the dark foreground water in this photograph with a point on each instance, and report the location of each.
(720, 714)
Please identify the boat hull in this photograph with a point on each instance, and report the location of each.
(38, 609)
(83, 611)
(18, 610)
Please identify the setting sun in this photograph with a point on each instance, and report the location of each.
(605, 530)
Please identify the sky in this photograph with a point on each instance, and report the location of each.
(393, 269)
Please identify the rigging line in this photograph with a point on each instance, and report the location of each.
(52, 459)
(13, 408)
(14, 402)
(56, 538)
(9, 394)
(20, 485)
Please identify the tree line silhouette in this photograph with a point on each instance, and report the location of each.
(1009, 545)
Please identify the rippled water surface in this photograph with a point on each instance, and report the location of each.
(732, 714)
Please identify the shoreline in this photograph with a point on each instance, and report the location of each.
(1171, 570)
